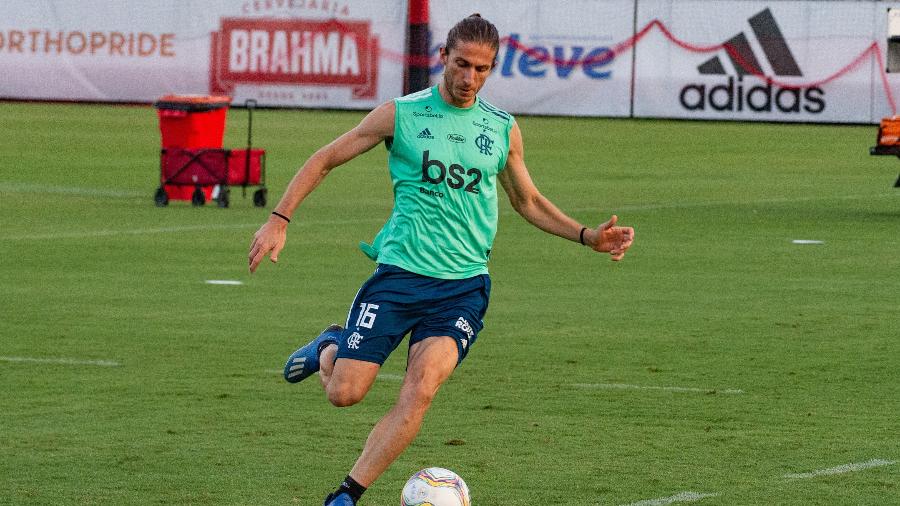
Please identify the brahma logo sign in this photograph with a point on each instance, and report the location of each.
(736, 94)
(295, 52)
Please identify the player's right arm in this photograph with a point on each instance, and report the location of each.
(372, 130)
(540, 212)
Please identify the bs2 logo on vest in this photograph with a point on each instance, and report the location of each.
(738, 94)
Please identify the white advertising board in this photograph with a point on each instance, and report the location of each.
(555, 58)
(775, 60)
(760, 60)
(885, 86)
(309, 53)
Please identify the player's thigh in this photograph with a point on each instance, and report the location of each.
(431, 362)
(379, 316)
(459, 315)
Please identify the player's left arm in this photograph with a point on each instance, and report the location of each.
(540, 212)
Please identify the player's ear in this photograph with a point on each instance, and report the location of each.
(444, 55)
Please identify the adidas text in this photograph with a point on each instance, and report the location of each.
(761, 98)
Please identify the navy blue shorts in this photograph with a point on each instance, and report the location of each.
(395, 302)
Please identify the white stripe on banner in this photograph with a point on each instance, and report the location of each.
(64, 361)
(846, 468)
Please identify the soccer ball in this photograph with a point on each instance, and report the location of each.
(435, 486)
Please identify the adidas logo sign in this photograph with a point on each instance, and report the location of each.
(425, 134)
(734, 96)
(777, 52)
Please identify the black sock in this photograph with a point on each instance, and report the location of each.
(351, 487)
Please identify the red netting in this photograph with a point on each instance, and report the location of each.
(873, 51)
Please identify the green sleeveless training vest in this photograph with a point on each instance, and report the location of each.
(444, 163)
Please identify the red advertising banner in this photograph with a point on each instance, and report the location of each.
(294, 52)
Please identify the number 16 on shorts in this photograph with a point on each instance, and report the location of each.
(366, 315)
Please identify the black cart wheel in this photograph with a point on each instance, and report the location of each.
(198, 198)
(161, 198)
(223, 197)
(259, 197)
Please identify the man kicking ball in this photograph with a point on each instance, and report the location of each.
(447, 149)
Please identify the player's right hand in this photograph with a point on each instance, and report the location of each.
(268, 240)
(612, 239)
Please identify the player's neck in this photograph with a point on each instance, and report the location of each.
(450, 100)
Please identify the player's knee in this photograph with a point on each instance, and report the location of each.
(425, 394)
(343, 395)
(420, 394)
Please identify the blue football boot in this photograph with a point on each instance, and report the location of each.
(305, 361)
(339, 500)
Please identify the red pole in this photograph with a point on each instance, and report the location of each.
(418, 71)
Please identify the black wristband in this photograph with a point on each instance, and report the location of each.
(581, 236)
(285, 218)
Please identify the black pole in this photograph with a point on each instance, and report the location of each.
(250, 104)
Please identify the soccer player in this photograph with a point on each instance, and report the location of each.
(447, 149)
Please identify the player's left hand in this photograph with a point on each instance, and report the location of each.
(608, 238)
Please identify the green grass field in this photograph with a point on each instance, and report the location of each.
(719, 362)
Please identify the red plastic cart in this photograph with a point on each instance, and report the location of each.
(193, 164)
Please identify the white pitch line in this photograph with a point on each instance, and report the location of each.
(846, 468)
(776, 200)
(70, 190)
(166, 230)
(231, 282)
(137, 231)
(109, 233)
(65, 361)
(623, 386)
(13, 187)
(679, 497)
(726, 203)
(383, 376)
